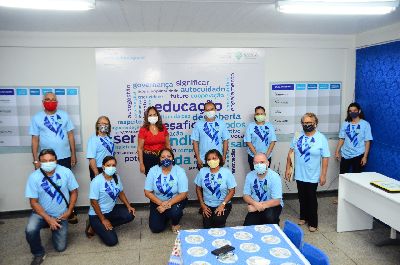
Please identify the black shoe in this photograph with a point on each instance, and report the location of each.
(38, 260)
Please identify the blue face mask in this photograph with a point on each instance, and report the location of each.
(110, 170)
(48, 166)
(260, 168)
(166, 162)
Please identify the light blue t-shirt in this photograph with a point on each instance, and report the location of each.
(215, 186)
(53, 132)
(99, 147)
(210, 135)
(265, 189)
(166, 186)
(309, 152)
(105, 192)
(48, 197)
(355, 136)
(260, 136)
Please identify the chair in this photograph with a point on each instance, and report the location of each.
(294, 233)
(314, 255)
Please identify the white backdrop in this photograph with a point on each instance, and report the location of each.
(178, 82)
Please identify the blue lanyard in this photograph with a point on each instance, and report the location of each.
(108, 144)
(307, 146)
(216, 190)
(262, 134)
(111, 190)
(47, 188)
(212, 131)
(57, 130)
(167, 192)
(262, 195)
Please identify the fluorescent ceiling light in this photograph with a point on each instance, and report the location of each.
(337, 7)
(73, 5)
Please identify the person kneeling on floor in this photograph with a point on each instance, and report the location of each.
(263, 193)
(104, 213)
(50, 208)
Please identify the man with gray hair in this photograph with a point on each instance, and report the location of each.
(52, 129)
(262, 192)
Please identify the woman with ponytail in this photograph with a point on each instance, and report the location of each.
(104, 213)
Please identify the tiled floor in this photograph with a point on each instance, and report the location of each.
(137, 245)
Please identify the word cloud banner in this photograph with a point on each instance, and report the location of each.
(178, 81)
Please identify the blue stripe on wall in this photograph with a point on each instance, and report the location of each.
(378, 91)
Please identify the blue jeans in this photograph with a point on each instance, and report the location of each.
(158, 221)
(32, 232)
(118, 216)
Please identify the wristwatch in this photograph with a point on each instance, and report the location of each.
(223, 203)
(35, 162)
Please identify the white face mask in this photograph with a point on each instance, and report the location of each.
(210, 114)
(153, 119)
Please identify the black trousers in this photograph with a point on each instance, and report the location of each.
(250, 161)
(158, 221)
(307, 193)
(65, 162)
(268, 216)
(149, 161)
(353, 163)
(215, 221)
(92, 175)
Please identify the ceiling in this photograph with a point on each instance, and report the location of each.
(228, 16)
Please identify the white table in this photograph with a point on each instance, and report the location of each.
(359, 202)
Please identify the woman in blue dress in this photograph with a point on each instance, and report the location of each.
(167, 187)
(215, 187)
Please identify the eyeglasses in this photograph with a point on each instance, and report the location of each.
(50, 100)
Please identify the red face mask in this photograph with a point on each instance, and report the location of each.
(50, 105)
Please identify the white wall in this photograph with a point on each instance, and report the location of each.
(378, 36)
(46, 59)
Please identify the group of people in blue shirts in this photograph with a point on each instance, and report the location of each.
(52, 188)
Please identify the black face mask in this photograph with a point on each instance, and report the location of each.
(354, 115)
(308, 127)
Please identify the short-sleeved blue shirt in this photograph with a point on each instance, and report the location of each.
(105, 192)
(260, 136)
(215, 185)
(168, 186)
(265, 189)
(38, 187)
(355, 136)
(99, 147)
(210, 135)
(53, 132)
(309, 152)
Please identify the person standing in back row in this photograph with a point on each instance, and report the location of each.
(53, 129)
(212, 133)
(354, 141)
(260, 137)
(153, 137)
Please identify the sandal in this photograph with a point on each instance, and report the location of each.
(175, 229)
(88, 233)
(312, 229)
(301, 222)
